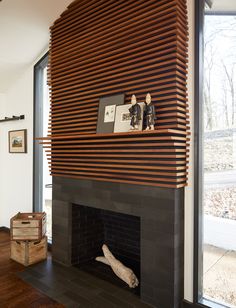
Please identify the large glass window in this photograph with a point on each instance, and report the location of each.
(219, 156)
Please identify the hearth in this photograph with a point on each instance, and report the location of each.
(87, 214)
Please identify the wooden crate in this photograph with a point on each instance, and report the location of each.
(29, 252)
(28, 226)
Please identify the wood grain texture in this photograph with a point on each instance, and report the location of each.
(28, 226)
(14, 292)
(101, 48)
(29, 252)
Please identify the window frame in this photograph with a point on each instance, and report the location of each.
(198, 168)
(198, 300)
(38, 132)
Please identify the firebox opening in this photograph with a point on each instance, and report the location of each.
(91, 228)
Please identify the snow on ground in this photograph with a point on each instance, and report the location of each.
(219, 170)
(221, 202)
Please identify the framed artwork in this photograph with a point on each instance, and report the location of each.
(122, 119)
(107, 111)
(17, 140)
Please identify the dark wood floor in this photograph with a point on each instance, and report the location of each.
(14, 292)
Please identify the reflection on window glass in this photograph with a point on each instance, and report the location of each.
(219, 149)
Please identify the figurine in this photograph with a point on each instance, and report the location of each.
(149, 113)
(135, 113)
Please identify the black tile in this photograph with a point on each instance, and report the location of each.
(113, 299)
(77, 298)
(162, 234)
(66, 301)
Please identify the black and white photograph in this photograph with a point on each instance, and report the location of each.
(123, 118)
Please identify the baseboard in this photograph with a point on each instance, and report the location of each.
(187, 304)
(5, 229)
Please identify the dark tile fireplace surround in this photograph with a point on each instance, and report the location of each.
(148, 222)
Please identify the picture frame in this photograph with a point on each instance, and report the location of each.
(17, 141)
(107, 111)
(122, 119)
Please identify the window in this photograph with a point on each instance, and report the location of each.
(42, 179)
(215, 259)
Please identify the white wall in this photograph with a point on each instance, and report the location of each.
(2, 115)
(189, 204)
(2, 103)
(16, 169)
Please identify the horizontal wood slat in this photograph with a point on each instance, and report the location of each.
(107, 169)
(101, 48)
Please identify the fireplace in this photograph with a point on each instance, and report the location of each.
(87, 214)
(92, 227)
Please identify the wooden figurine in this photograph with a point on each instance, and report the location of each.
(149, 113)
(135, 113)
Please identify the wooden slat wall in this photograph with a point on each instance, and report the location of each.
(107, 47)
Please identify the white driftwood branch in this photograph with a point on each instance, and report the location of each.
(103, 260)
(123, 272)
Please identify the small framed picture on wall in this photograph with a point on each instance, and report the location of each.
(17, 140)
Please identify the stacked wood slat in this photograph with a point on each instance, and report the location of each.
(107, 47)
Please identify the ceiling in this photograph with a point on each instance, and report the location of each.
(24, 34)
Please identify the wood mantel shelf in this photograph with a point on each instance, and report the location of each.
(129, 134)
(99, 49)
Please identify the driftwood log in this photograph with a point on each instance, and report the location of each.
(123, 272)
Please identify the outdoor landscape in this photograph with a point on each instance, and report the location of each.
(219, 154)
